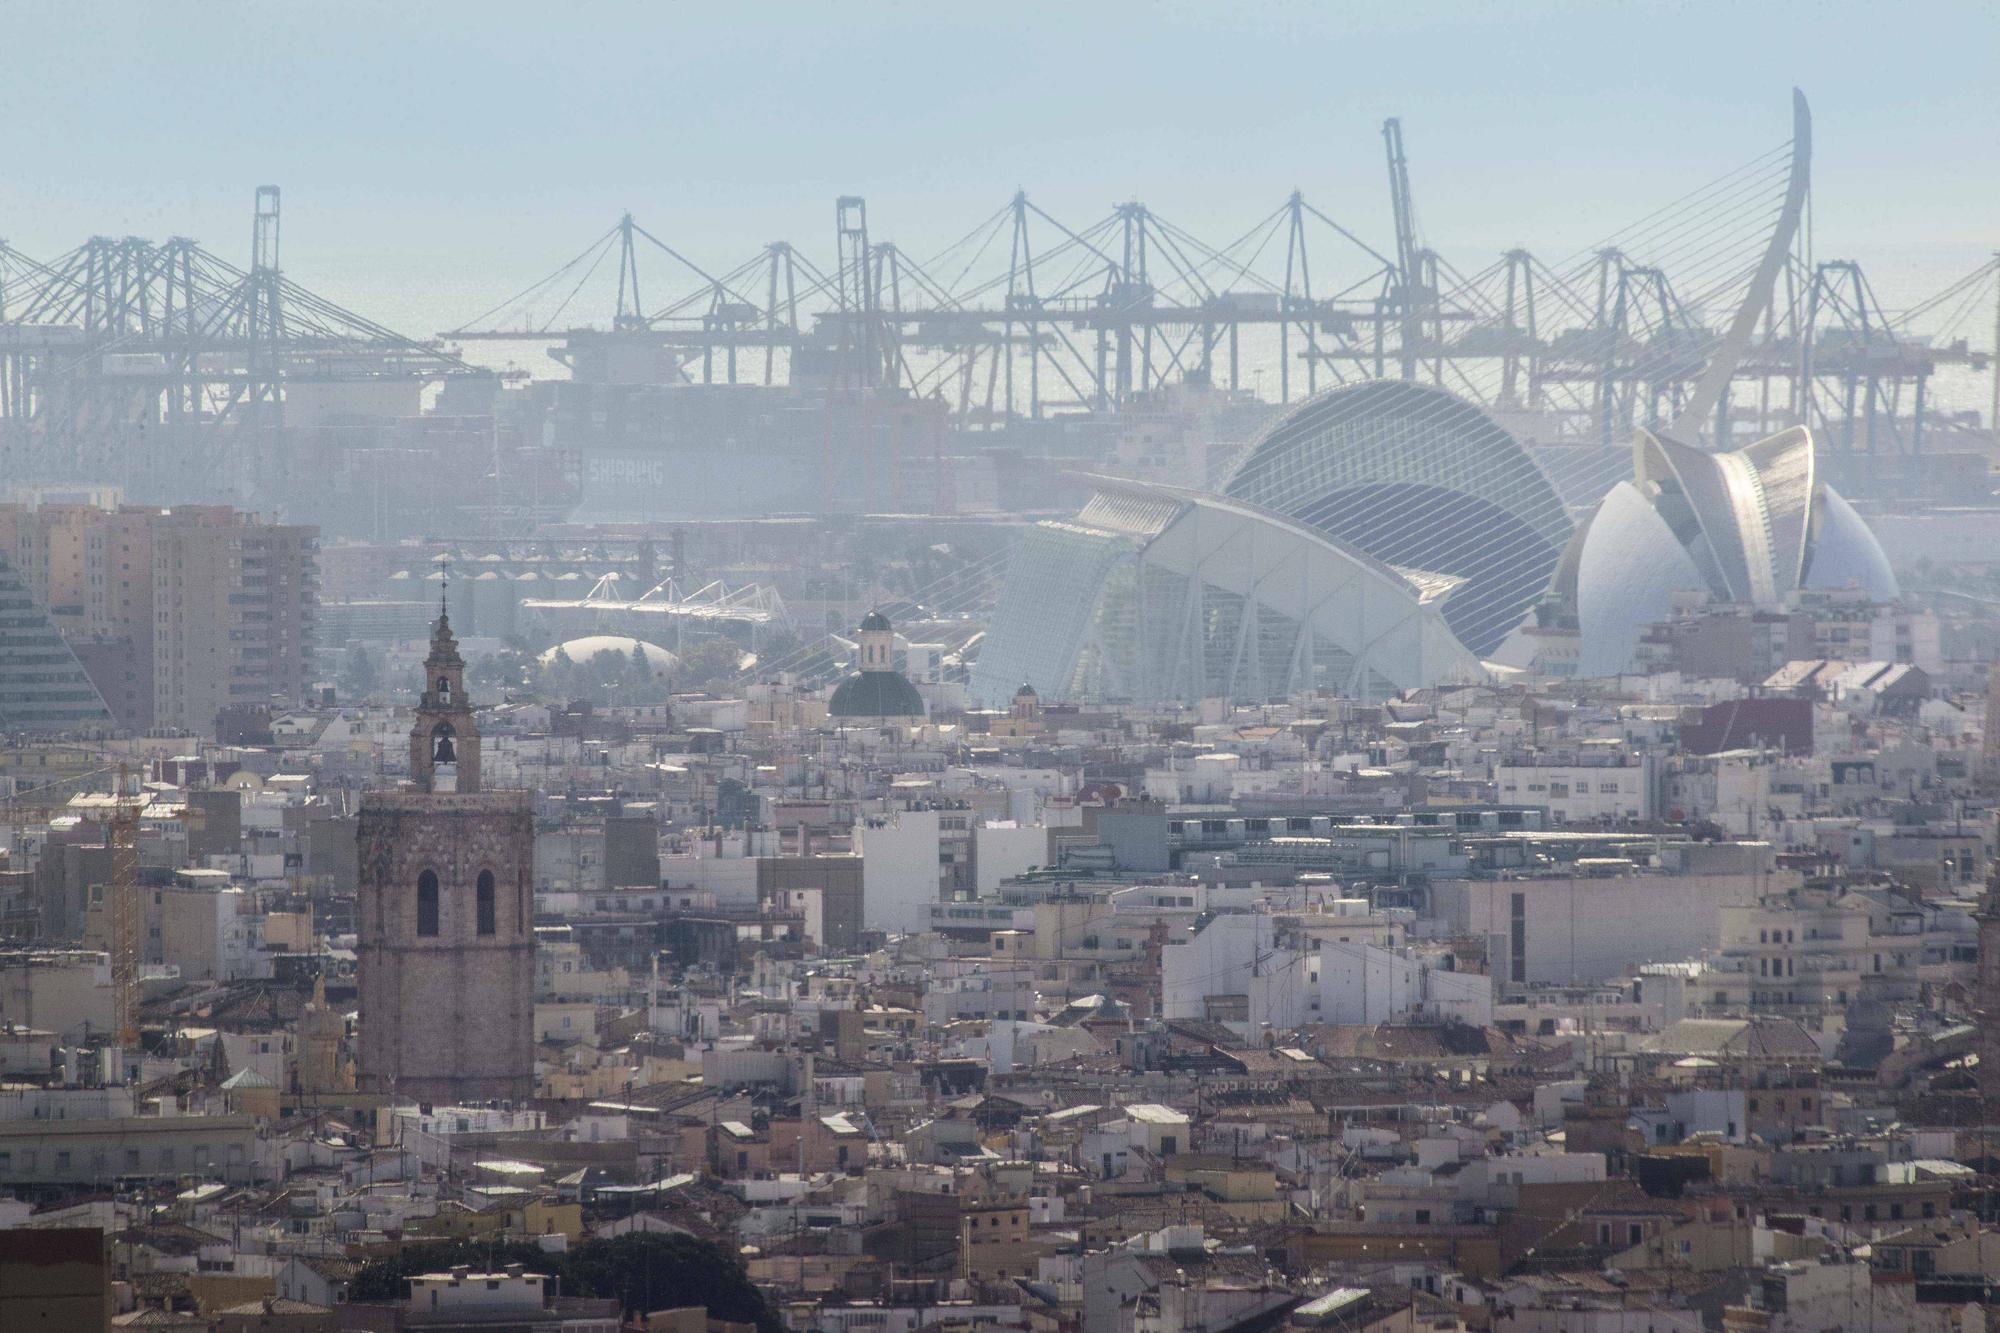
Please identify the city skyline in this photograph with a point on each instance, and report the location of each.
(1123, 668)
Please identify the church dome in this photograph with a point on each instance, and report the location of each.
(875, 694)
(875, 620)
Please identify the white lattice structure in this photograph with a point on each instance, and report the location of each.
(1417, 477)
(712, 602)
(663, 614)
(1158, 594)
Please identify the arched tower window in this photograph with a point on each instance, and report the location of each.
(442, 751)
(483, 901)
(427, 903)
(444, 689)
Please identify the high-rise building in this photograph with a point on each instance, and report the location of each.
(42, 686)
(234, 603)
(175, 614)
(445, 921)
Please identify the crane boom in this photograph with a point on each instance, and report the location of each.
(1409, 259)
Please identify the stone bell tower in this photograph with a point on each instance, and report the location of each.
(445, 918)
(444, 743)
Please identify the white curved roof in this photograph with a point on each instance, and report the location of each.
(1415, 475)
(1751, 507)
(1155, 593)
(1630, 567)
(1843, 550)
(1748, 526)
(1389, 622)
(589, 646)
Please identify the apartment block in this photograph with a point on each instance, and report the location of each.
(174, 614)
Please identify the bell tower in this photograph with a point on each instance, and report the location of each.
(877, 640)
(444, 922)
(444, 740)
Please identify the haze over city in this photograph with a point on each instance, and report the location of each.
(442, 157)
(1070, 669)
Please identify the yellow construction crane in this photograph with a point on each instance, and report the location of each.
(37, 804)
(127, 913)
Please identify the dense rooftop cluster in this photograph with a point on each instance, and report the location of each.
(1517, 1004)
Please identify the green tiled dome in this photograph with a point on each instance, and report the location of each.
(875, 694)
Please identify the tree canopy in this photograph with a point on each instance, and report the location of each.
(644, 1270)
(711, 665)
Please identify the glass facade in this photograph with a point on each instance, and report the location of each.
(43, 688)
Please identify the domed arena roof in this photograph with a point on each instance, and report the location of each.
(589, 646)
(1747, 526)
(875, 694)
(1420, 479)
(1844, 551)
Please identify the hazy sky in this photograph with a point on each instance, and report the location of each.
(434, 157)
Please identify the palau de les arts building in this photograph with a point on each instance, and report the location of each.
(1388, 535)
